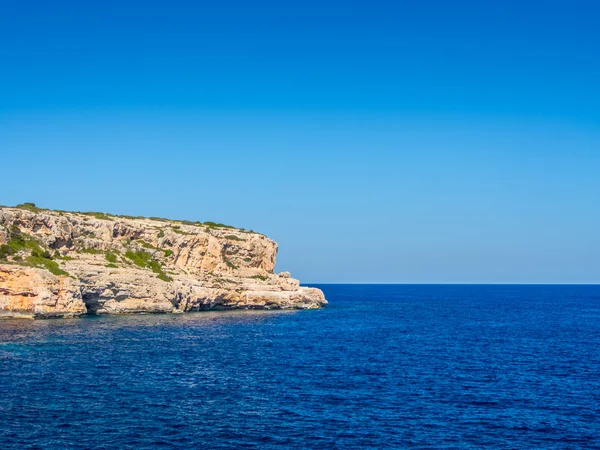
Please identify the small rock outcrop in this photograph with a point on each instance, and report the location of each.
(66, 264)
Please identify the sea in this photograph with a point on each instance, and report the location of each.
(382, 366)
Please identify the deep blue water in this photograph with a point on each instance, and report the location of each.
(382, 366)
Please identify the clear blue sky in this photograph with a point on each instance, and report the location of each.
(376, 141)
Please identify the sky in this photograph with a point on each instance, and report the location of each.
(375, 141)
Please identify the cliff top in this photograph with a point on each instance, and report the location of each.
(208, 225)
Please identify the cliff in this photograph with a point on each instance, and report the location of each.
(66, 264)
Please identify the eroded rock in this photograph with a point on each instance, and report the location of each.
(114, 265)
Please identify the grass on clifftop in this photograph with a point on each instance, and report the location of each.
(30, 206)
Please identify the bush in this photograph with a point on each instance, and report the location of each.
(22, 241)
(147, 245)
(41, 254)
(111, 257)
(14, 231)
(6, 251)
(177, 229)
(45, 263)
(230, 264)
(140, 259)
(233, 237)
(168, 253)
(145, 260)
(99, 215)
(29, 206)
(157, 269)
(217, 225)
(260, 277)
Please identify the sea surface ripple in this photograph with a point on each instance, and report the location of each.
(383, 366)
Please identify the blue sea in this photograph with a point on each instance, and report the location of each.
(383, 366)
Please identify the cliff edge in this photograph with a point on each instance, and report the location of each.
(66, 264)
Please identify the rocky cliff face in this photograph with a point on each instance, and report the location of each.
(63, 264)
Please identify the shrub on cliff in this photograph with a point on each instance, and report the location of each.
(28, 206)
(217, 225)
(99, 215)
(233, 237)
(260, 277)
(51, 266)
(6, 251)
(140, 259)
(145, 260)
(111, 257)
(20, 241)
(230, 264)
(38, 253)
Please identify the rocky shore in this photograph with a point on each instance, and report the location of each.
(67, 264)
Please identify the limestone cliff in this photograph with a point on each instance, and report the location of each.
(65, 264)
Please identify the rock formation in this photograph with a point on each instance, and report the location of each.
(66, 264)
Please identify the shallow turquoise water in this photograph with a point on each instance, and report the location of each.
(382, 366)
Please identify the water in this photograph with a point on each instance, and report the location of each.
(382, 366)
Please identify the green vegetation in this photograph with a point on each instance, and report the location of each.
(129, 217)
(28, 206)
(6, 251)
(177, 229)
(188, 222)
(145, 260)
(157, 269)
(99, 215)
(229, 263)
(18, 242)
(51, 266)
(147, 245)
(91, 251)
(112, 266)
(140, 259)
(38, 258)
(216, 225)
(233, 237)
(161, 233)
(41, 254)
(111, 257)
(168, 253)
(260, 277)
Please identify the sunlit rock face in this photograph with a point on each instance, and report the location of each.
(64, 264)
